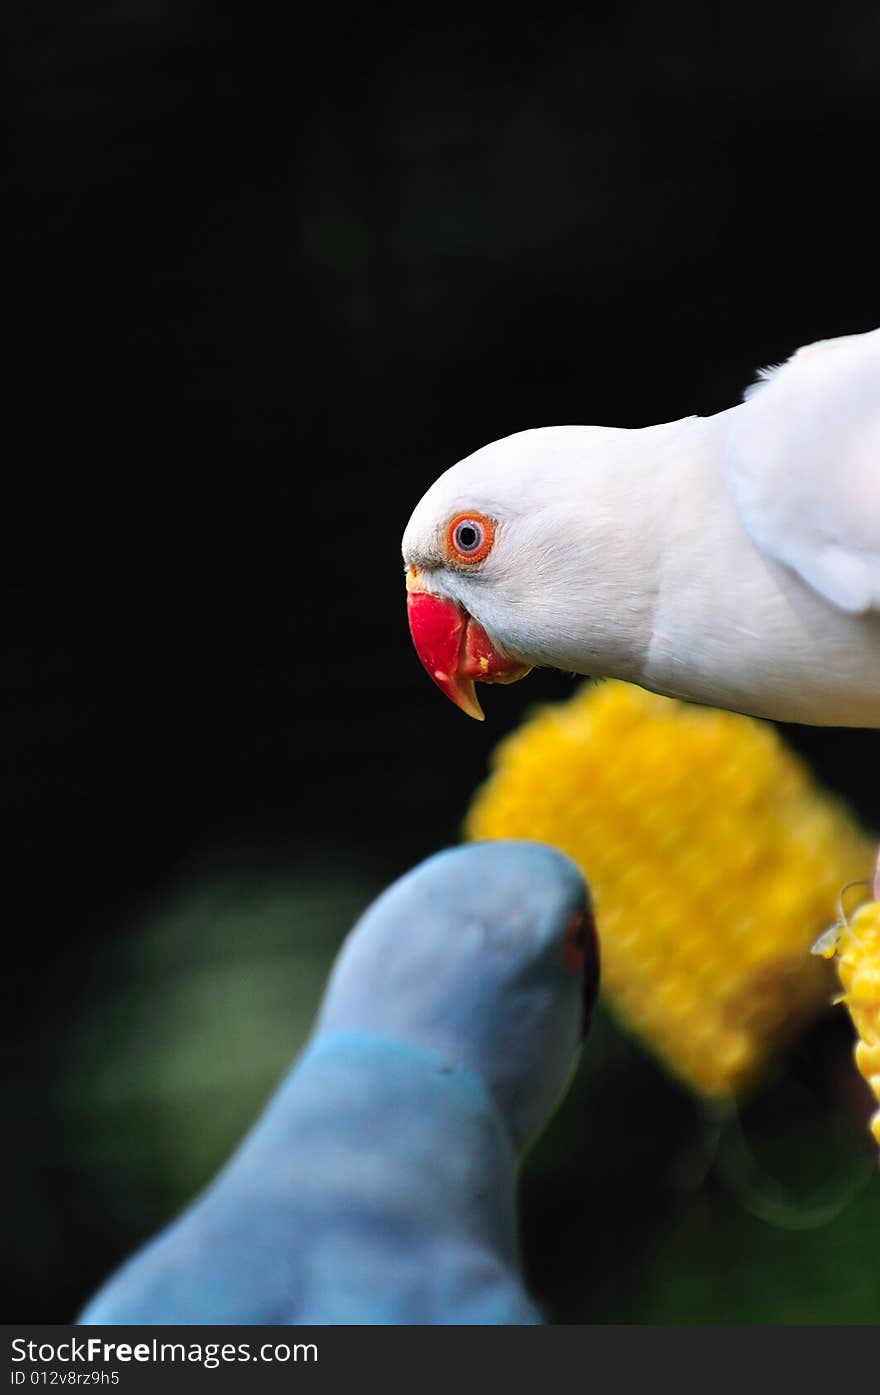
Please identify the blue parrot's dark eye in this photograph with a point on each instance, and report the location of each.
(469, 537)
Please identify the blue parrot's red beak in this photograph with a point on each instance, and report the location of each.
(591, 976)
(454, 649)
(581, 950)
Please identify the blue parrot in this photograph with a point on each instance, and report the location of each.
(379, 1184)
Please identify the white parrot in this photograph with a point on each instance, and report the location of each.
(732, 560)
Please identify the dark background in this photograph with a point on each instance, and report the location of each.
(268, 277)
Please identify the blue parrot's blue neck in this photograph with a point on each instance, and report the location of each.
(395, 1130)
(456, 1078)
(377, 1186)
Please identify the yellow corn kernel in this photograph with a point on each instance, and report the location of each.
(856, 947)
(713, 860)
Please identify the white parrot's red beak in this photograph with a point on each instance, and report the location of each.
(454, 649)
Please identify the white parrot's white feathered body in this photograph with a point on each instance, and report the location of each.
(731, 560)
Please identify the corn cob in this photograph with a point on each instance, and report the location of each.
(855, 944)
(713, 859)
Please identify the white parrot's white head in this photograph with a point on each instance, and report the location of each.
(514, 559)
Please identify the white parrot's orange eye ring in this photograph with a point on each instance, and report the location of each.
(469, 538)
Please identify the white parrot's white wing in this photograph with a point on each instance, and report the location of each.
(802, 463)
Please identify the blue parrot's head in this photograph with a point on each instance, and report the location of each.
(485, 954)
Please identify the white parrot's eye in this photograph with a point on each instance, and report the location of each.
(469, 537)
